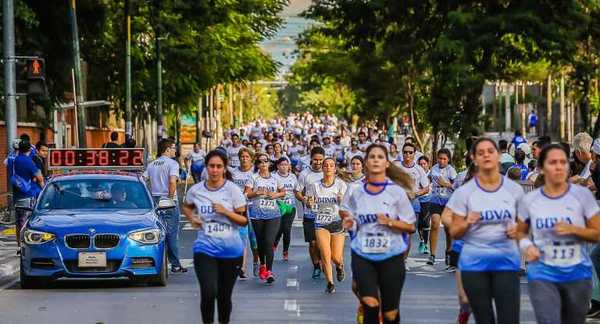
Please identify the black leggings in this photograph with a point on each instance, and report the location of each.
(285, 230)
(500, 287)
(216, 277)
(377, 279)
(266, 230)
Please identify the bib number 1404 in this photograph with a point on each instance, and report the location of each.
(217, 230)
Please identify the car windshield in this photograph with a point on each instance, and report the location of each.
(94, 194)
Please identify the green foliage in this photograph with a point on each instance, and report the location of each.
(204, 43)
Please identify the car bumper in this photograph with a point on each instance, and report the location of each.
(54, 260)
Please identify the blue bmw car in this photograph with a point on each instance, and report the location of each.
(94, 225)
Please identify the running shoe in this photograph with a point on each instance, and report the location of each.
(255, 268)
(270, 278)
(450, 269)
(263, 273)
(341, 274)
(426, 249)
(176, 269)
(286, 257)
(242, 275)
(360, 315)
(431, 260)
(594, 311)
(330, 288)
(422, 247)
(463, 318)
(316, 273)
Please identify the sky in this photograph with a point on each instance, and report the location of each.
(283, 44)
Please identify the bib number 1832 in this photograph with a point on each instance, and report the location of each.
(376, 243)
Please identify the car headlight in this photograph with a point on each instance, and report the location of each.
(32, 237)
(150, 236)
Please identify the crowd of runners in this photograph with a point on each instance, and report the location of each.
(517, 207)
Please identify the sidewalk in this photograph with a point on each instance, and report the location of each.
(9, 262)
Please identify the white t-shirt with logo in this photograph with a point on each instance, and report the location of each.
(486, 244)
(327, 201)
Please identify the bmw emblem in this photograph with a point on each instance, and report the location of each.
(92, 231)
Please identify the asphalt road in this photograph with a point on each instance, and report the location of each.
(428, 297)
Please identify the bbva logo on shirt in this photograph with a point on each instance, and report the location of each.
(327, 200)
(206, 209)
(550, 222)
(368, 218)
(492, 215)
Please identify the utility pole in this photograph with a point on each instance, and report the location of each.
(10, 86)
(160, 121)
(78, 76)
(128, 123)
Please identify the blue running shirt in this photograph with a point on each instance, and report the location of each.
(486, 245)
(219, 237)
(563, 258)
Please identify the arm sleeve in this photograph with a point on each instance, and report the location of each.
(522, 209)
(239, 200)
(404, 210)
(174, 169)
(590, 206)
(458, 202)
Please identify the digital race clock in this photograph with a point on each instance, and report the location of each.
(102, 158)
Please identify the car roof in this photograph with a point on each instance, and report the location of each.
(93, 174)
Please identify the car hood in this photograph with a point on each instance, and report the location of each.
(105, 221)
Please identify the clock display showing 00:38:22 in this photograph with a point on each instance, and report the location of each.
(94, 158)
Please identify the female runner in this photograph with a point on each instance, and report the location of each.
(240, 176)
(380, 217)
(289, 182)
(559, 270)
(264, 189)
(484, 216)
(216, 207)
(328, 194)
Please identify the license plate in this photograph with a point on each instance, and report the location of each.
(92, 259)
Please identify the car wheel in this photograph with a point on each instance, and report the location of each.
(160, 280)
(28, 282)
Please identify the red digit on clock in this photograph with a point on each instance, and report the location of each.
(138, 158)
(123, 158)
(103, 158)
(69, 158)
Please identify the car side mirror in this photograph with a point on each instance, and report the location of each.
(165, 203)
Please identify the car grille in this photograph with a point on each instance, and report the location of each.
(106, 241)
(111, 266)
(78, 241)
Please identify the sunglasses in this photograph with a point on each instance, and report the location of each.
(263, 161)
(408, 152)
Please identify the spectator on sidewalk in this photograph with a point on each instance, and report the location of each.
(163, 174)
(517, 140)
(41, 159)
(24, 168)
(506, 160)
(582, 146)
(114, 137)
(532, 121)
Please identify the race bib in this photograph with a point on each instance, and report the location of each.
(376, 242)
(217, 230)
(267, 204)
(325, 215)
(562, 255)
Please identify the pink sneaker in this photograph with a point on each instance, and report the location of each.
(262, 273)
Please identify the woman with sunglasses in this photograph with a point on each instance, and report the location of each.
(263, 189)
(559, 268)
(379, 216)
(325, 197)
(216, 207)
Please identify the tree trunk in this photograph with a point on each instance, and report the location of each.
(411, 107)
(548, 125)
